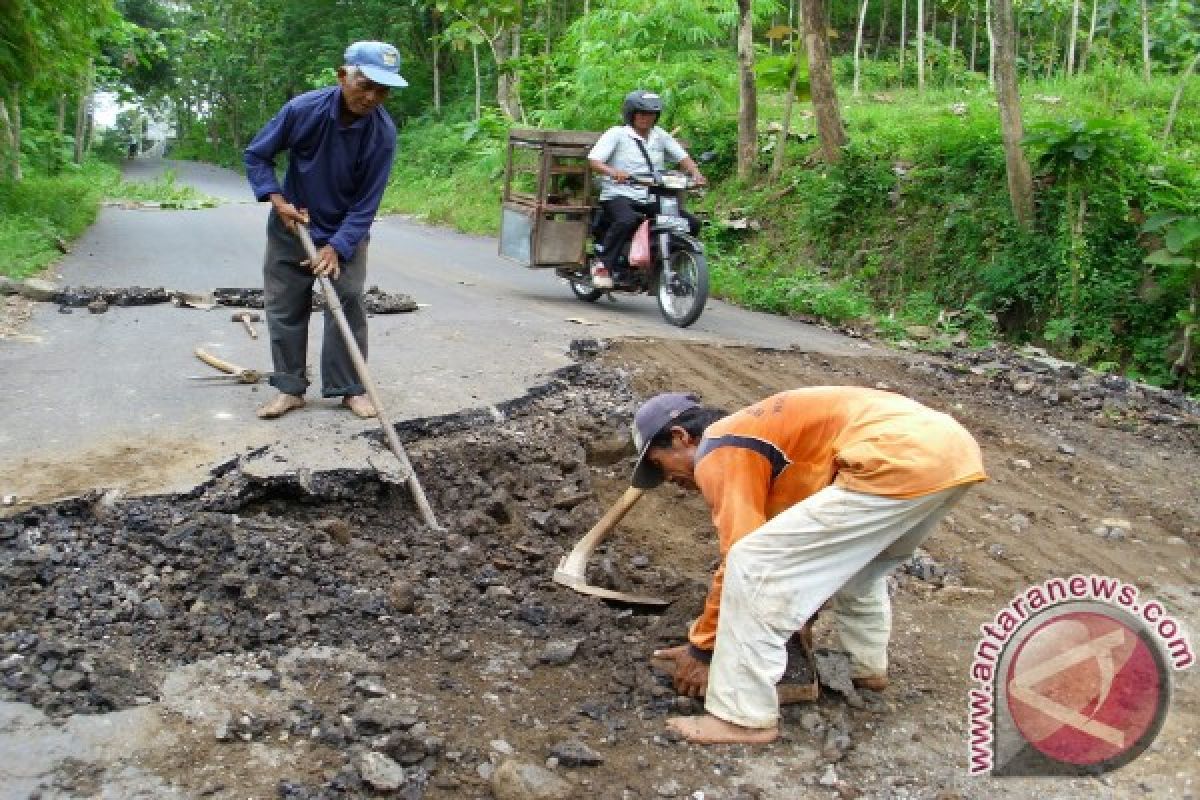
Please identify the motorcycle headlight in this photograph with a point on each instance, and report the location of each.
(674, 224)
(673, 180)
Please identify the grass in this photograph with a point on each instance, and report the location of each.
(41, 209)
(163, 190)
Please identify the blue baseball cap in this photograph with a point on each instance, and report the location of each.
(379, 61)
(655, 414)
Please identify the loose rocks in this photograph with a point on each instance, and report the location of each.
(574, 753)
(515, 780)
(380, 772)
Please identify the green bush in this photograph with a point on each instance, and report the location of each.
(41, 209)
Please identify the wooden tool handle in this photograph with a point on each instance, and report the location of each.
(217, 363)
(576, 561)
(364, 376)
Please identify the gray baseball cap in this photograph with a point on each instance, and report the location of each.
(379, 61)
(655, 414)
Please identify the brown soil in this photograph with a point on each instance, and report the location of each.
(470, 658)
(141, 465)
(1022, 526)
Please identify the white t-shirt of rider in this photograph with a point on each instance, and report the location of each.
(618, 148)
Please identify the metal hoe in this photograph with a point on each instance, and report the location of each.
(360, 366)
(572, 570)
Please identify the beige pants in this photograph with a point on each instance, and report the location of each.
(838, 544)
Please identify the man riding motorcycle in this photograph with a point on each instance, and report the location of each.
(638, 146)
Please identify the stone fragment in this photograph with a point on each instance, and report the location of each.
(516, 780)
(829, 777)
(98, 306)
(403, 597)
(154, 609)
(559, 653)
(671, 788)
(380, 772)
(336, 529)
(1113, 529)
(68, 680)
(574, 753)
(383, 714)
(37, 289)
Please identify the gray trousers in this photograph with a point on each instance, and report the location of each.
(288, 299)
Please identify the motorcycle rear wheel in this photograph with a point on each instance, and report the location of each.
(583, 289)
(683, 287)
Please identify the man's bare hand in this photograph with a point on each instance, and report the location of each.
(327, 263)
(288, 212)
(691, 674)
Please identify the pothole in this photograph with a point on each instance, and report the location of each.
(108, 604)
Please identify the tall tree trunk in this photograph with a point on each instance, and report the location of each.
(546, 57)
(747, 94)
(506, 47)
(10, 118)
(1145, 40)
(858, 37)
(785, 127)
(1031, 52)
(1053, 57)
(1091, 37)
(1020, 178)
(437, 65)
(991, 34)
(478, 82)
(954, 31)
(920, 45)
(830, 131)
(883, 19)
(82, 111)
(1072, 38)
(974, 33)
(903, 36)
(1178, 96)
(8, 153)
(60, 118)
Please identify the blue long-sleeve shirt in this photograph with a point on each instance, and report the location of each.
(337, 173)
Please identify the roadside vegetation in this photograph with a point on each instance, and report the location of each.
(940, 171)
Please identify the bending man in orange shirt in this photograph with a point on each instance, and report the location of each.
(815, 493)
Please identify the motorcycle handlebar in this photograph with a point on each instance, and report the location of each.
(663, 180)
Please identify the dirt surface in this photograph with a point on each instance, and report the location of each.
(299, 636)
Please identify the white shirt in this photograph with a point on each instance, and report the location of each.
(618, 148)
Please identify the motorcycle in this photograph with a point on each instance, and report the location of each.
(676, 273)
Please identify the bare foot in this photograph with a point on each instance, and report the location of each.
(282, 404)
(360, 404)
(708, 729)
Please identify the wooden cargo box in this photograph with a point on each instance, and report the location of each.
(547, 197)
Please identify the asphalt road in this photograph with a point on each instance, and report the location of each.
(103, 400)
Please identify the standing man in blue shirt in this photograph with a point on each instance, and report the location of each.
(340, 144)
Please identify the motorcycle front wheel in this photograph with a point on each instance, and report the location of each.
(683, 287)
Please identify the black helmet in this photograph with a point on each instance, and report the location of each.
(640, 100)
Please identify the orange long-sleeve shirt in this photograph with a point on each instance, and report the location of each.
(769, 456)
